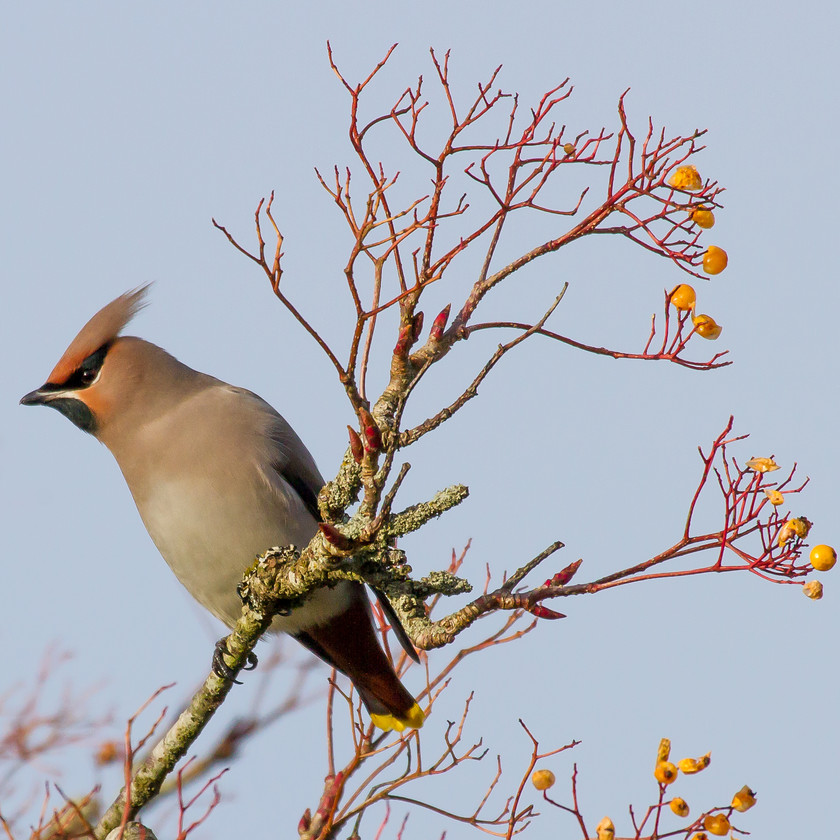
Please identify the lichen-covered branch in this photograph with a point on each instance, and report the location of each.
(147, 780)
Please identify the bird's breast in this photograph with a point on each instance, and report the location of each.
(210, 534)
(211, 506)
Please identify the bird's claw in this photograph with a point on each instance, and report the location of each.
(222, 669)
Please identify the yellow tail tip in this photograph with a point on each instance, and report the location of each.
(412, 719)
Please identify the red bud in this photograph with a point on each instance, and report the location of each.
(355, 445)
(564, 576)
(332, 790)
(404, 341)
(544, 612)
(334, 537)
(417, 327)
(439, 324)
(305, 822)
(373, 437)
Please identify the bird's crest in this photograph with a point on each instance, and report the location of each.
(101, 329)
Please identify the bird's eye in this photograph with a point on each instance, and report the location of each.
(85, 375)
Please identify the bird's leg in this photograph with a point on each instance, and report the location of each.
(220, 667)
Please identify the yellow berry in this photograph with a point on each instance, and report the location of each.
(762, 465)
(663, 752)
(744, 799)
(707, 327)
(679, 807)
(813, 590)
(542, 779)
(665, 772)
(714, 260)
(801, 526)
(775, 497)
(717, 824)
(798, 527)
(785, 534)
(569, 148)
(694, 765)
(823, 557)
(686, 178)
(683, 297)
(702, 217)
(605, 829)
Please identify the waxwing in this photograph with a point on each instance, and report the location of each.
(218, 477)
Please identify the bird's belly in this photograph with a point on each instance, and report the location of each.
(209, 538)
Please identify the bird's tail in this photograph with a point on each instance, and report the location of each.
(348, 642)
(398, 711)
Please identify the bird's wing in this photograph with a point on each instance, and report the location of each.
(290, 460)
(396, 625)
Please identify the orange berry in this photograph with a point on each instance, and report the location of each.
(683, 297)
(569, 148)
(793, 529)
(702, 217)
(686, 178)
(744, 799)
(694, 765)
(542, 779)
(717, 824)
(823, 557)
(714, 260)
(707, 327)
(813, 589)
(801, 526)
(108, 752)
(762, 465)
(775, 497)
(605, 829)
(665, 772)
(679, 806)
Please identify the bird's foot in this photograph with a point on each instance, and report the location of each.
(222, 669)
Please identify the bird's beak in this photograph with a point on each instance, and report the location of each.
(64, 402)
(38, 397)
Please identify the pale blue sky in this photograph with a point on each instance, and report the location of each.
(127, 127)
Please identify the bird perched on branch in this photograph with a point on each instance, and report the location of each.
(218, 477)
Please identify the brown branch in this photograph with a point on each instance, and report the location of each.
(670, 356)
(411, 435)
